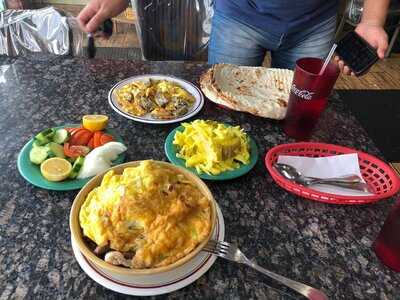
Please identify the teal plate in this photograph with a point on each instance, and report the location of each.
(171, 151)
(31, 172)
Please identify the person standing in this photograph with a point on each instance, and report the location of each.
(244, 30)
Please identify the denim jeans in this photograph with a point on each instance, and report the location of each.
(237, 43)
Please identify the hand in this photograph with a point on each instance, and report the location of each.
(97, 11)
(375, 35)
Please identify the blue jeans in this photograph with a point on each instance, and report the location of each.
(238, 43)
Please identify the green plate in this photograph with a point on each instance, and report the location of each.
(31, 172)
(171, 150)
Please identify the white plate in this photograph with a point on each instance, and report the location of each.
(149, 285)
(190, 87)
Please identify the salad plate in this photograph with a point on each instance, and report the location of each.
(31, 172)
(171, 150)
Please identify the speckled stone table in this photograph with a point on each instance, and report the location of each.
(326, 246)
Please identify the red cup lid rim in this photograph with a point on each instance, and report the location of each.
(326, 74)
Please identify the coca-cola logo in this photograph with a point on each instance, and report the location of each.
(307, 95)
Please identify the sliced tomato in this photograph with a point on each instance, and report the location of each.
(90, 143)
(105, 138)
(75, 151)
(97, 139)
(74, 130)
(68, 152)
(83, 150)
(81, 137)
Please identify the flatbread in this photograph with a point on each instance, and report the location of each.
(260, 91)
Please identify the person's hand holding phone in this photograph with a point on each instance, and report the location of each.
(370, 29)
(375, 35)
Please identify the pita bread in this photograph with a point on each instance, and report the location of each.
(260, 91)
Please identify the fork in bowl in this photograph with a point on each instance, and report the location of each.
(232, 253)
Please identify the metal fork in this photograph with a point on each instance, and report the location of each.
(231, 252)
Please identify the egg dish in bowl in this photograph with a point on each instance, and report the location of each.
(142, 217)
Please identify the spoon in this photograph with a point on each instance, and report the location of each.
(351, 181)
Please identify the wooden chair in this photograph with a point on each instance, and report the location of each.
(353, 13)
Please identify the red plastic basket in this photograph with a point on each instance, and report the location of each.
(376, 173)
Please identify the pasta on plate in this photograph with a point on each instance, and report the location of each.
(211, 147)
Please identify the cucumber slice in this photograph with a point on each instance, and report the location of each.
(61, 136)
(41, 140)
(35, 144)
(55, 150)
(76, 167)
(45, 136)
(38, 154)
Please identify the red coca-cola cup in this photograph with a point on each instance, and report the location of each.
(308, 96)
(387, 244)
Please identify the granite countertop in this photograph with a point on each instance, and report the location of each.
(325, 246)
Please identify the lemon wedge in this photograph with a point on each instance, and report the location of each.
(94, 122)
(55, 169)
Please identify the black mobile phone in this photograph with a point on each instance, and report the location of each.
(356, 53)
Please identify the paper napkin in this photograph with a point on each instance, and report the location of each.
(326, 167)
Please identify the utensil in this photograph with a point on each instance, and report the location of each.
(104, 30)
(351, 181)
(292, 173)
(91, 47)
(232, 253)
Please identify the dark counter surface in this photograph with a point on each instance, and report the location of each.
(325, 246)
